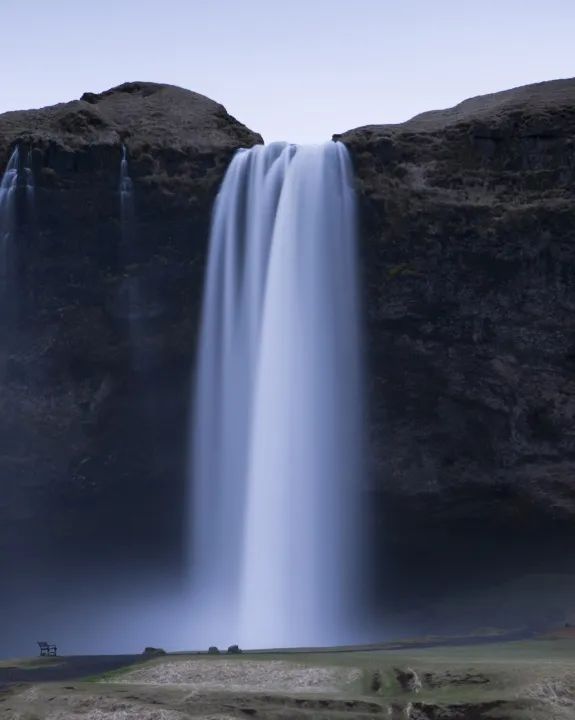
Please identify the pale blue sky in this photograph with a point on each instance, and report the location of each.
(295, 70)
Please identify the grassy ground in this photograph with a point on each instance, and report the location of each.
(529, 680)
(30, 663)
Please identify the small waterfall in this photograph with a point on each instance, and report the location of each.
(277, 422)
(8, 191)
(17, 214)
(130, 292)
(29, 181)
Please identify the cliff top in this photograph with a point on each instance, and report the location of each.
(141, 114)
(537, 99)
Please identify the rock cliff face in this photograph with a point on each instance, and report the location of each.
(92, 452)
(469, 266)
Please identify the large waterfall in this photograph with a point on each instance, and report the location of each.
(276, 458)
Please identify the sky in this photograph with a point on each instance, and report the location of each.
(296, 70)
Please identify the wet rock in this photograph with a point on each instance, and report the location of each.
(408, 680)
(437, 679)
(82, 433)
(468, 263)
(376, 681)
(496, 710)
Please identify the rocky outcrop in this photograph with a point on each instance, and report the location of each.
(92, 454)
(469, 264)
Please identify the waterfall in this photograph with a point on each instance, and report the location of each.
(130, 291)
(126, 195)
(8, 189)
(276, 453)
(17, 213)
(29, 181)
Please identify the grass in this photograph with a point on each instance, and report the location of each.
(36, 663)
(112, 675)
(523, 679)
(462, 674)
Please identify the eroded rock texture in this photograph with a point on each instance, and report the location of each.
(469, 266)
(92, 453)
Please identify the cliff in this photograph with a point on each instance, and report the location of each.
(92, 451)
(469, 266)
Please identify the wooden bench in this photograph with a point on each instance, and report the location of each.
(47, 648)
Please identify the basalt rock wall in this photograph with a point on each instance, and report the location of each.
(92, 438)
(468, 243)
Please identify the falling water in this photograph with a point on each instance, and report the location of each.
(17, 213)
(126, 194)
(8, 189)
(29, 181)
(276, 451)
(130, 293)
